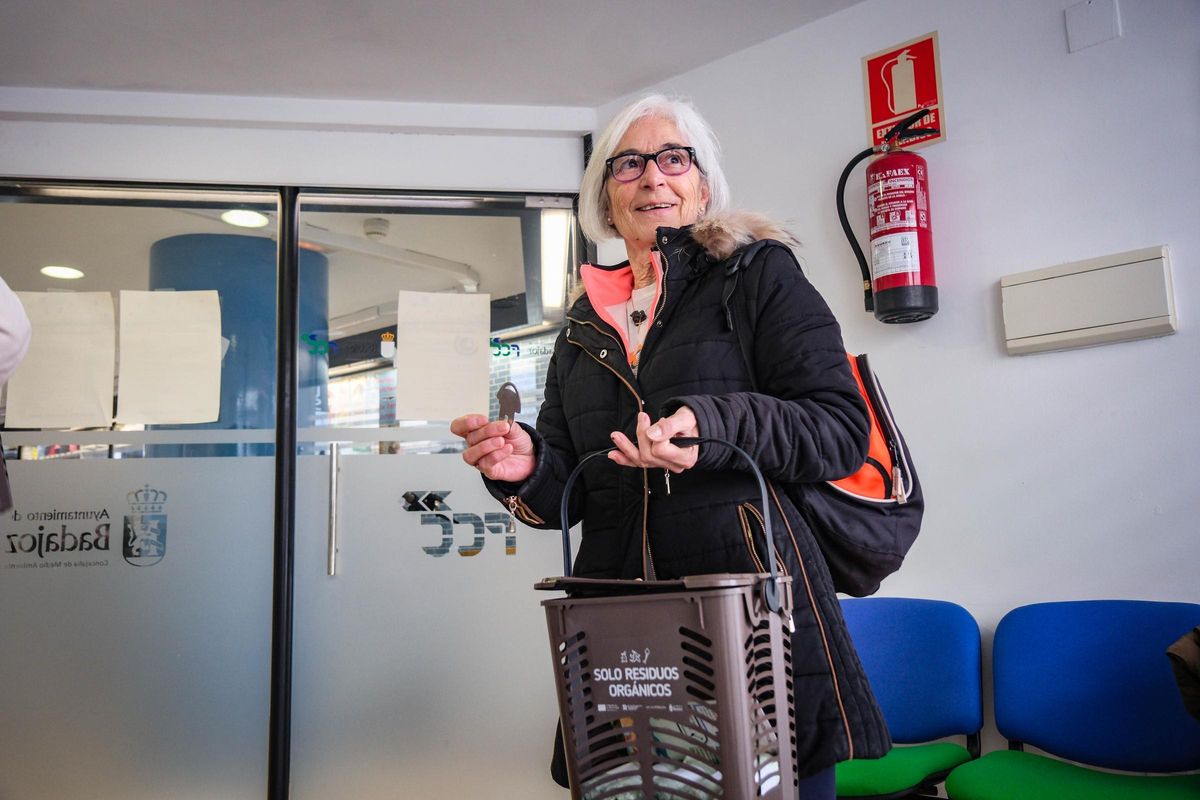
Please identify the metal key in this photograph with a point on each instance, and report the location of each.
(510, 402)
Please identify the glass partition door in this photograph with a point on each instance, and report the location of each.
(422, 667)
(135, 567)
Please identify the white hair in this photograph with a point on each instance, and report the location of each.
(593, 199)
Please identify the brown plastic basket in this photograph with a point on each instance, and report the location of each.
(674, 690)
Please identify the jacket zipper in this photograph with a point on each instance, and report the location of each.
(762, 526)
(662, 296)
(749, 537)
(634, 391)
(522, 511)
(652, 574)
(812, 601)
(648, 559)
(648, 567)
(649, 570)
(662, 303)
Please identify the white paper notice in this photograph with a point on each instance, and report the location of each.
(442, 355)
(170, 366)
(66, 379)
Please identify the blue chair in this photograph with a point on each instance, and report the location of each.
(923, 660)
(1088, 682)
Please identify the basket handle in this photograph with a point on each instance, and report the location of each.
(770, 588)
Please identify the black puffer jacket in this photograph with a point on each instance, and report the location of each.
(809, 424)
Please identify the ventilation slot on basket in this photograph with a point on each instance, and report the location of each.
(764, 722)
(608, 765)
(687, 755)
(697, 669)
(618, 783)
(576, 680)
(791, 704)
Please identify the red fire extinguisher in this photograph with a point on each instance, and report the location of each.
(900, 285)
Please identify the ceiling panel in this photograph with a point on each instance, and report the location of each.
(537, 52)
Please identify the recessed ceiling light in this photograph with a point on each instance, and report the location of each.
(66, 273)
(245, 218)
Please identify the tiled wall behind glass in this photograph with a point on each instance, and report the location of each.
(524, 363)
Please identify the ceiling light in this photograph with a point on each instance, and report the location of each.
(66, 273)
(244, 218)
(556, 235)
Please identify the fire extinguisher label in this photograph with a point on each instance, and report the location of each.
(889, 202)
(893, 254)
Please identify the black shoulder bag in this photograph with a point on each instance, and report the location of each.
(866, 522)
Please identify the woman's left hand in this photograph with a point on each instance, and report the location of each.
(653, 447)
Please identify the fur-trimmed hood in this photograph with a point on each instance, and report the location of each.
(722, 234)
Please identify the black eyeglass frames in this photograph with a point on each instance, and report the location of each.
(670, 160)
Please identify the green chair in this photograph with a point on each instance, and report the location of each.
(923, 660)
(1088, 684)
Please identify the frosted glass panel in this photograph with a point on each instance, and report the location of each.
(423, 666)
(136, 629)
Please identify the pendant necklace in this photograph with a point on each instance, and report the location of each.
(637, 317)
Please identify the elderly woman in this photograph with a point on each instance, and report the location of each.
(648, 354)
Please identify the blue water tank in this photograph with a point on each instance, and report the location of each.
(242, 270)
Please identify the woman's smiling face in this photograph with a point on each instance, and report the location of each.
(654, 200)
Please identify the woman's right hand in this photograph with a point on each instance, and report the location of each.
(501, 450)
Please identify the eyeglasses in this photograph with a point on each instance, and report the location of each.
(670, 161)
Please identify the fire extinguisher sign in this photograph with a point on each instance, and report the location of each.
(900, 80)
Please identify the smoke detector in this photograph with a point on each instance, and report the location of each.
(376, 227)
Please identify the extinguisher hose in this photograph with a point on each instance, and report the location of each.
(868, 297)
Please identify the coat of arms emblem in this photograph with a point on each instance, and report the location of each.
(144, 542)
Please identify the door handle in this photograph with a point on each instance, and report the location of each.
(335, 467)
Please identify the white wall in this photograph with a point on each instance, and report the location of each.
(1052, 476)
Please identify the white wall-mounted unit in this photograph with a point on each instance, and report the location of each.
(1097, 301)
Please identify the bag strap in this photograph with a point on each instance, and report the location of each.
(735, 321)
(878, 407)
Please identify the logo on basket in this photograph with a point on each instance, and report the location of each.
(435, 510)
(144, 541)
(635, 656)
